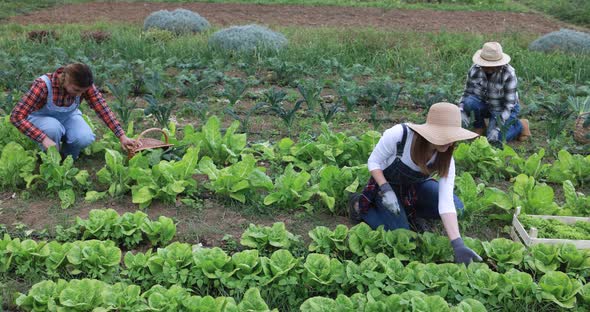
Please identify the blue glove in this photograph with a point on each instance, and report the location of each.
(463, 254)
(389, 199)
(494, 135)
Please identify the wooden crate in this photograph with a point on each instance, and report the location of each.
(519, 234)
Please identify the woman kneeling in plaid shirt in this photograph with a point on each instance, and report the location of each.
(48, 113)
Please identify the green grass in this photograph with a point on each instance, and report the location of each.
(573, 11)
(393, 53)
(18, 7)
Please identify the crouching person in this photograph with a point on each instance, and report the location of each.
(49, 112)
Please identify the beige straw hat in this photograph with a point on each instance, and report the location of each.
(491, 55)
(443, 125)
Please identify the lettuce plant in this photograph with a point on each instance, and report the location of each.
(293, 190)
(363, 241)
(160, 232)
(164, 181)
(93, 258)
(403, 243)
(26, 255)
(268, 239)
(577, 261)
(505, 253)
(542, 258)
(101, 224)
(533, 197)
(575, 168)
(173, 265)
(480, 159)
(477, 198)
(213, 262)
(252, 301)
(114, 174)
(60, 177)
(16, 164)
(576, 203)
(323, 273)
(337, 184)
(532, 166)
(223, 149)
(329, 242)
(241, 181)
(559, 288)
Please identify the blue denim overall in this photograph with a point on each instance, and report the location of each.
(63, 124)
(417, 193)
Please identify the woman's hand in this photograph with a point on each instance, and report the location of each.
(126, 143)
(389, 198)
(463, 254)
(47, 143)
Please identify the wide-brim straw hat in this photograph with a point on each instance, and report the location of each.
(443, 125)
(491, 55)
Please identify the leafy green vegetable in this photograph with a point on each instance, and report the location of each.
(559, 288)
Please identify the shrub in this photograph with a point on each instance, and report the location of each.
(247, 38)
(96, 36)
(179, 21)
(565, 40)
(41, 35)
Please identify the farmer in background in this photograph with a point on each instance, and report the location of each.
(490, 92)
(48, 113)
(401, 188)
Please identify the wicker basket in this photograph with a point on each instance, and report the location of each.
(148, 143)
(581, 132)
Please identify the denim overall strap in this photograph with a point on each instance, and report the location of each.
(51, 106)
(399, 173)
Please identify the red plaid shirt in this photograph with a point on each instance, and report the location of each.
(36, 98)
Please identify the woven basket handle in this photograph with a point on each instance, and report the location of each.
(152, 130)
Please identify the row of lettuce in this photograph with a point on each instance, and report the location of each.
(106, 230)
(342, 261)
(288, 174)
(209, 271)
(95, 295)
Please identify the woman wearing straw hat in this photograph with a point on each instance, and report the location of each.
(490, 92)
(401, 186)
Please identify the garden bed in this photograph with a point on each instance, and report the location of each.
(519, 234)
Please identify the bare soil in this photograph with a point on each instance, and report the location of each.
(220, 14)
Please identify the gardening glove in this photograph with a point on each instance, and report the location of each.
(463, 254)
(494, 135)
(505, 115)
(389, 199)
(465, 119)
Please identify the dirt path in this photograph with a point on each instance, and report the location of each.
(232, 14)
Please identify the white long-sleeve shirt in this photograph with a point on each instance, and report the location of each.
(384, 154)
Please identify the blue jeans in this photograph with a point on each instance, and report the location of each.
(480, 110)
(426, 207)
(71, 128)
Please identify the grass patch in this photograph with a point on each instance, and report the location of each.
(405, 55)
(18, 7)
(573, 11)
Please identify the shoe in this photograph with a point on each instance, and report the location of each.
(479, 131)
(353, 208)
(526, 130)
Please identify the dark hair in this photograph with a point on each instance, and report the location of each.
(421, 157)
(80, 74)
